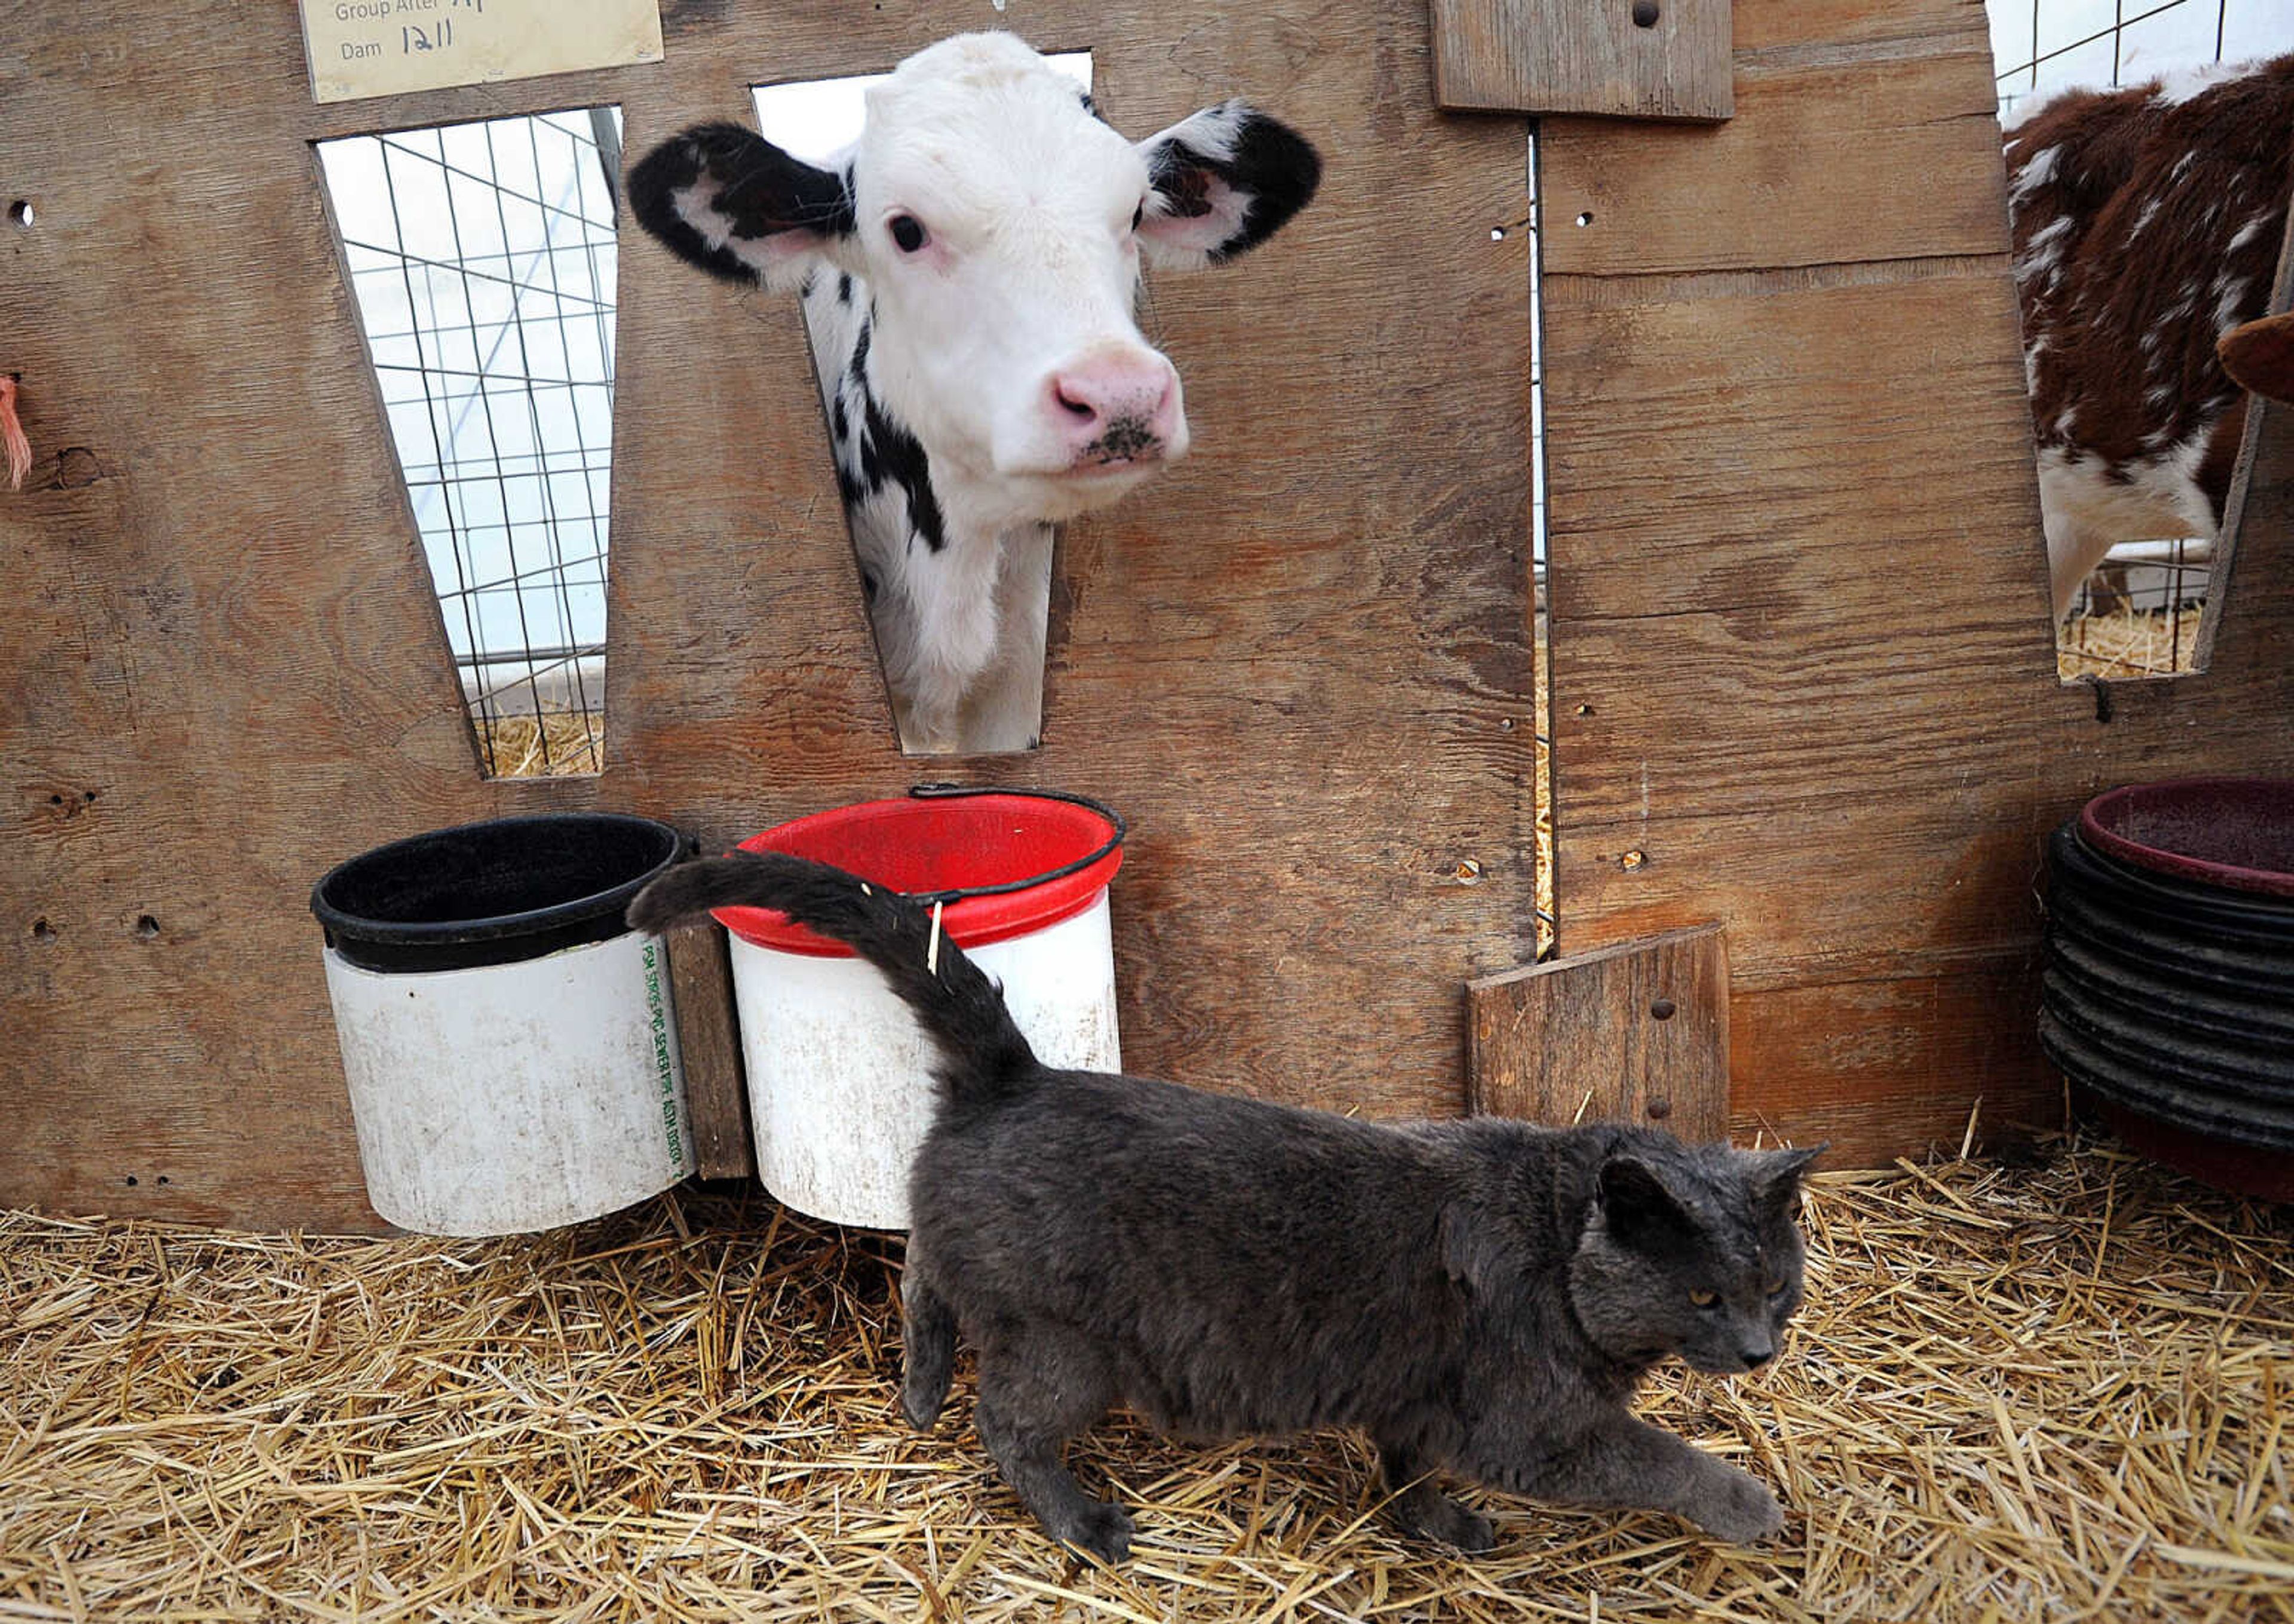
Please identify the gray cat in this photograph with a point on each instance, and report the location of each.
(1480, 1296)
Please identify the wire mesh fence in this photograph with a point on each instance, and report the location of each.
(483, 258)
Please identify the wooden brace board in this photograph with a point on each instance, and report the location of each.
(1636, 1033)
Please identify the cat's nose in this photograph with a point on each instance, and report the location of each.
(1755, 1357)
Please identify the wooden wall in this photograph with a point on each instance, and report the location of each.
(1300, 664)
(1803, 679)
(1802, 668)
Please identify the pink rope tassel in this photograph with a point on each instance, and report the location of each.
(13, 436)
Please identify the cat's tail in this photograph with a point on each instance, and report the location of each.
(983, 1055)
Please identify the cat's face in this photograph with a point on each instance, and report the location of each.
(1694, 1254)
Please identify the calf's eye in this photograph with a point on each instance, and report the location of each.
(908, 232)
(1704, 1299)
(1138, 215)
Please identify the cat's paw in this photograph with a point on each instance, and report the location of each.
(1100, 1528)
(1738, 1508)
(1439, 1518)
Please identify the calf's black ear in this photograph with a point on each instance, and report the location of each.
(723, 198)
(1222, 182)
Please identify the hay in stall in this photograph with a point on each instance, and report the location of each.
(557, 744)
(2128, 644)
(2058, 1392)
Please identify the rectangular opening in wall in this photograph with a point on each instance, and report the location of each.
(2134, 454)
(1002, 710)
(483, 258)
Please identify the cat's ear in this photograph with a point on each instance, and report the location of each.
(1636, 1206)
(1774, 1176)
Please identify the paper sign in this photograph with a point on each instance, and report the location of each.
(382, 48)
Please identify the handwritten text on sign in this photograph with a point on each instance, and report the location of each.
(382, 48)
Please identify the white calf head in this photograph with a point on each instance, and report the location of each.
(999, 226)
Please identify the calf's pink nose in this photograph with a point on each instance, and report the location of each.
(1117, 406)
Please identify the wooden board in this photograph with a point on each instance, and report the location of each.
(1637, 1033)
(709, 1045)
(1803, 676)
(1299, 663)
(1634, 59)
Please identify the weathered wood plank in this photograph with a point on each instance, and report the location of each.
(1645, 59)
(709, 1046)
(1834, 156)
(1843, 892)
(1750, 445)
(1637, 1033)
(1832, 1060)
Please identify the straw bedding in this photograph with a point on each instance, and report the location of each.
(2128, 644)
(2057, 1392)
(559, 744)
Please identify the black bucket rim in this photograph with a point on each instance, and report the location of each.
(494, 938)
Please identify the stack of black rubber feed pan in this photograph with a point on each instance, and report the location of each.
(2169, 989)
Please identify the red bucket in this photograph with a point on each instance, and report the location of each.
(1005, 863)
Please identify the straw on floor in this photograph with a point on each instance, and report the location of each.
(2057, 1392)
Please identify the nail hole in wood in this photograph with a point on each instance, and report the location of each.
(43, 931)
(146, 926)
(20, 212)
(1663, 1008)
(1645, 13)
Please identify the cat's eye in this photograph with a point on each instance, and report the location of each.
(907, 232)
(1777, 1286)
(1704, 1299)
(1138, 215)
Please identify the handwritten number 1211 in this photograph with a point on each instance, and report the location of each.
(413, 38)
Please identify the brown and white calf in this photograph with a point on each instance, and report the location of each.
(969, 268)
(2147, 223)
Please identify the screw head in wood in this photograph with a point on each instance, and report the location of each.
(1659, 1108)
(1663, 1009)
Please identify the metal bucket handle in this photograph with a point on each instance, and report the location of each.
(952, 792)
